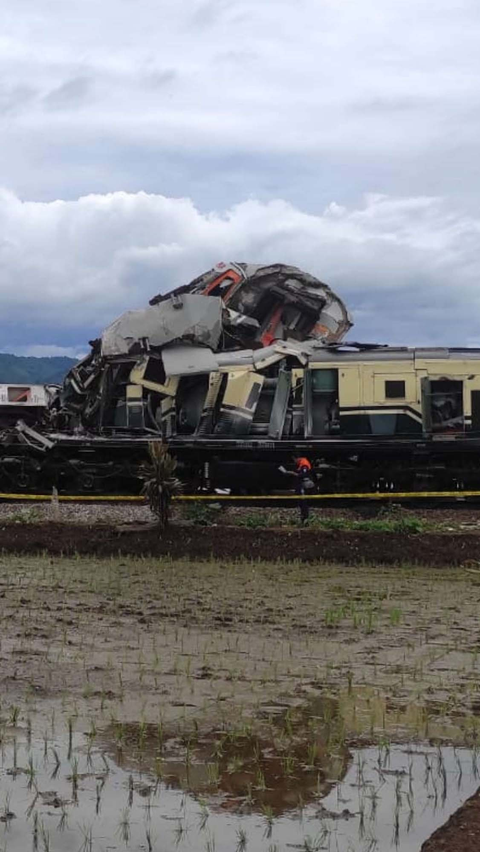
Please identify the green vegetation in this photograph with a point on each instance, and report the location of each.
(36, 371)
(381, 524)
(255, 520)
(202, 514)
(160, 482)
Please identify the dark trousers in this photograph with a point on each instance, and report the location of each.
(302, 504)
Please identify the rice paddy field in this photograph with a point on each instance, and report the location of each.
(157, 703)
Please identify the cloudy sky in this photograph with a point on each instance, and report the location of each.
(143, 141)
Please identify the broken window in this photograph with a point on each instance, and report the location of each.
(446, 399)
(19, 395)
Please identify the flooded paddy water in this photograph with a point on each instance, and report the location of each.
(154, 704)
(65, 793)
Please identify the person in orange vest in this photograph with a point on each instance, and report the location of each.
(305, 483)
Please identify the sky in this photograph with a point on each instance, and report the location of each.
(142, 142)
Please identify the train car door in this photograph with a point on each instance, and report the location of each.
(321, 412)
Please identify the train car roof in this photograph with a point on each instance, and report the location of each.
(371, 352)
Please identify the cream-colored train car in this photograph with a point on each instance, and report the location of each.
(391, 391)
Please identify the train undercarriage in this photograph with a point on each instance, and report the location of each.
(108, 466)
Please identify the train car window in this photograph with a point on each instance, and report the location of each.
(20, 395)
(394, 390)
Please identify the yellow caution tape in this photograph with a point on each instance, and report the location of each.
(369, 495)
(76, 498)
(223, 498)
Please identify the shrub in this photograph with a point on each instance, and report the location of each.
(160, 483)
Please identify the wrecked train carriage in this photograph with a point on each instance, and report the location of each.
(228, 317)
(379, 418)
(240, 369)
(179, 367)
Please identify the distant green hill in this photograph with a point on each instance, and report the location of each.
(34, 371)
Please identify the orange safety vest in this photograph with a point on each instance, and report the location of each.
(303, 463)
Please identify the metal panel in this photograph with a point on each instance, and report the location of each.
(188, 360)
(239, 403)
(280, 404)
(192, 318)
(205, 425)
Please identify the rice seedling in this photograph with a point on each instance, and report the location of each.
(210, 845)
(289, 763)
(242, 839)
(123, 828)
(74, 776)
(203, 816)
(70, 737)
(269, 818)
(395, 616)
(87, 838)
(459, 768)
(31, 772)
(44, 837)
(179, 832)
(313, 844)
(35, 832)
(62, 824)
(149, 839)
(213, 774)
(14, 714)
(235, 765)
(57, 765)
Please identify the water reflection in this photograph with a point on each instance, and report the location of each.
(68, 793)
(293, 757)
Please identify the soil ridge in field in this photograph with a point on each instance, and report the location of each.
(439, 549)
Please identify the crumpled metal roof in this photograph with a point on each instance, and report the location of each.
(185, 318)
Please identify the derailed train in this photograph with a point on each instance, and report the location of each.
(238, 371)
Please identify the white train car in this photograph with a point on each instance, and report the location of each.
(22, 402)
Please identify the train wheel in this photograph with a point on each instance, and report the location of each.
(86, 483)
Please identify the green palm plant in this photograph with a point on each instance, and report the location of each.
(160, 484)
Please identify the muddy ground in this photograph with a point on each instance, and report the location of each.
(181, 541)
(370, 534)
(124, 648)
(116, 631)
(219, 639)
(462, 831)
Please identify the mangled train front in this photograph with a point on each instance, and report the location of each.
(209, 358)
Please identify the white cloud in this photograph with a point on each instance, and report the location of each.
(407, 267)
(360, 94)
